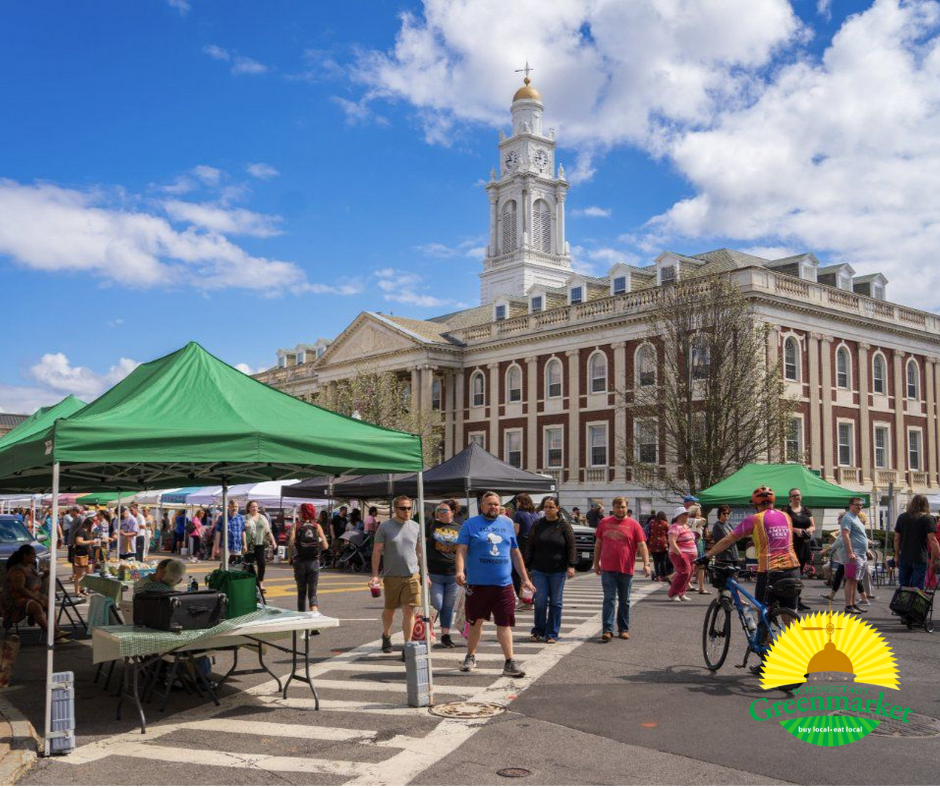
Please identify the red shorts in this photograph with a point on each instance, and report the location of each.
(482, 601)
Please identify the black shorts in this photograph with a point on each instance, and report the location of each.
(765, 579)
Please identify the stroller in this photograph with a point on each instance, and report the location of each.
(356, 553)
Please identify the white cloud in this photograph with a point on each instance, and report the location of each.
(51, 228)
(405, 287)
(227, 221)
(54, 371)
(245, 368)
(25, 399)
(211, 176)
(610, 71)
(183, 6)
(592, 212)
(240, 64)
(838, 157)
(261, 171)
(467, 248)
(359, 112)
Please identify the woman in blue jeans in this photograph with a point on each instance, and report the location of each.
(551, 556)
(442, 551)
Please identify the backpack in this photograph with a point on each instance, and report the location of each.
(308, 541)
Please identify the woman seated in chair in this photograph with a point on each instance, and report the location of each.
(21, 597)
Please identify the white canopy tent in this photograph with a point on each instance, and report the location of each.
(267, 494)
(205, 496)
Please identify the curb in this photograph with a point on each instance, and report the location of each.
(23, 742)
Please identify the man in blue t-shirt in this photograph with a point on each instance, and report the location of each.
(487, 551)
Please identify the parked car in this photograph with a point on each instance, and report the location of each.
(13, 535)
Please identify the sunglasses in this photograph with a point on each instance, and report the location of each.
(403, 508)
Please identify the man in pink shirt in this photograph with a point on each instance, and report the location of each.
(616, 542)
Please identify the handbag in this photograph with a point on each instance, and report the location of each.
(418, 630)
(460, 609)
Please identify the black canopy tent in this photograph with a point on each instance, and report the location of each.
(473, 470)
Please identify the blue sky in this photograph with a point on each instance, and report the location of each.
(254, 174)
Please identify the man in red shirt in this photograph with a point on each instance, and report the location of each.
(616, 542)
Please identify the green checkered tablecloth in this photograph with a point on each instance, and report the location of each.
(110, 587)
(269, 623)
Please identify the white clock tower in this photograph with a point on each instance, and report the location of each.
(527, 243)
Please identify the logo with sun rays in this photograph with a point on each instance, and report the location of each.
(836, 663)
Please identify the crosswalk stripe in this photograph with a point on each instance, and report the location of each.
(361, 685)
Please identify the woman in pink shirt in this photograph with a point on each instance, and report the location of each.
(195, 533)
(682, 552)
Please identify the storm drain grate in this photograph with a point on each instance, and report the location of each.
(918, 726)
(514, 771)
(467, 710)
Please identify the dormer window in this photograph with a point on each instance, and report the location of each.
(535, 305)
(500, 312)
(302, 357)
(667, 274)
(320, 351)
(878, 291)
(577, 294)
(282, 361)
(844, 281)
(619, 285)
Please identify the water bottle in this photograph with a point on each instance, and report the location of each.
(749, 621)
(193, 584)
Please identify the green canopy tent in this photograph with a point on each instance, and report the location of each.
(817, 493)
(38, 422)
(102, 498)
(190, 419)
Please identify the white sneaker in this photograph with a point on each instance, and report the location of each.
(677, 599)
(684, 598)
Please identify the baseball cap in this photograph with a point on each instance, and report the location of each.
(690, 499)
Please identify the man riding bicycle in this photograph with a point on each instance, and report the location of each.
(772, 532)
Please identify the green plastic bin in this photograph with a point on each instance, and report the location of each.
(239, 587)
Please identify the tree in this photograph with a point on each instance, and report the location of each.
(716, 401)
(382, 398)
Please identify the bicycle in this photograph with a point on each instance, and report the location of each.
(761, 632)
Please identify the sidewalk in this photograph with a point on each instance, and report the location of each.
(19, 743)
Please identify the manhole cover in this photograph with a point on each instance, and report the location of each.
(918, 726)
(514, 771)
(467, 710)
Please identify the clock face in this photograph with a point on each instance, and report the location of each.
(541, 159)
(511, 160)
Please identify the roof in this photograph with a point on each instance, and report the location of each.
(736, 490)
(11, 420)
(422, 330)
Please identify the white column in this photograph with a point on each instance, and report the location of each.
(619, 439)
(533, 460)
(900, 436)
(459, 444)
(864, 427)
(447, 393)
(492, 399)
(574, 416)
(934, 421)
(415, 390)
(827, 423)
(773, 362)
(815, 427)
(931, 431)
(560, 221)
(427, 380)
(494, 237)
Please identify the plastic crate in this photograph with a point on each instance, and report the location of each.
(62, 739)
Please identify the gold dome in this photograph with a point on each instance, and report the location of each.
(830, 660)
(527, 92)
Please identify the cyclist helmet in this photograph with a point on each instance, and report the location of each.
(763, 497)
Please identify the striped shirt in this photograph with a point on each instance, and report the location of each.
(772, 533)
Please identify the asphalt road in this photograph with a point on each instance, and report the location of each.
(637, 711)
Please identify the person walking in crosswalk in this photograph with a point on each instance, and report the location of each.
(487, 551)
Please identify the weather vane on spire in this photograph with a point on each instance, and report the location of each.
(526, 70)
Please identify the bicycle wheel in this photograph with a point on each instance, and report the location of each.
(776, 628)
(716, 634)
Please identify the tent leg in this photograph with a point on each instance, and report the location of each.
(32, 524)
(118, 520)
(223, 537)
(50, 625)
(425, 589)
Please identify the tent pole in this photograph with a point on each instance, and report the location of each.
(425, 588)
(32, 523)
(223, 537)
(117, 516)
(50, 624)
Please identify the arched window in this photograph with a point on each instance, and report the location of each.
(553, 379)
(843, 362)
(477, 390)
(913, 380)
(597, 372)
(509, 226)
(436, 394)
(791, 359)
(645, 362)
(514, 384)
(542, 226)
(879, 374)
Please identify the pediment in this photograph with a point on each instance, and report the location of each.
(366, 337)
